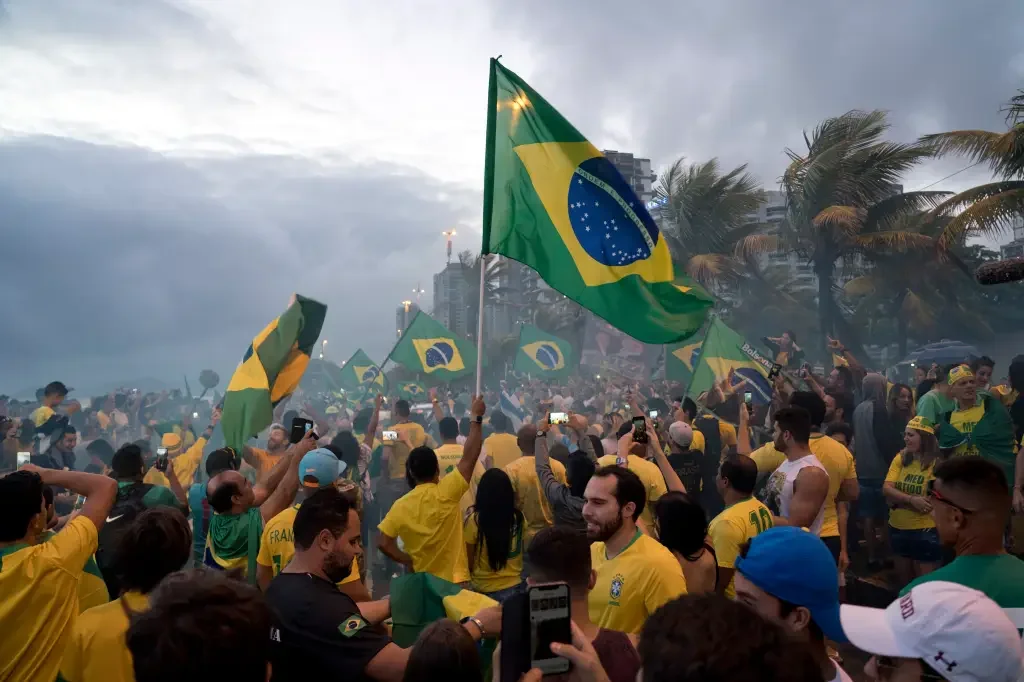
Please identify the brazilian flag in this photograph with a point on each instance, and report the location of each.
(553, 202)
(542, 354)
(723, 351)
(680, 359)
(411, 390)
(362, 373)
(419, 599)
(270, 370)
(429, 348)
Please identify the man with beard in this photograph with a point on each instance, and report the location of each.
(796, 491)
(264, 460)
(319, 469)
(318, 632)
(636, 574)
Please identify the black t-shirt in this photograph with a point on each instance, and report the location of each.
(318, 632)
(687, 466)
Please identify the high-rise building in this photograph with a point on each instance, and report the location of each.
(404, 315)
(452, 299)
(634, 170)
(1014, 249)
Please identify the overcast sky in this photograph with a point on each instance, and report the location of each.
(172, 170)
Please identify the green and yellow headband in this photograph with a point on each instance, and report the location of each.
(921, 424)
(958, 373)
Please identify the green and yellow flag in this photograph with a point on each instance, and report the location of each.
(360, 372)
(419, 599)
(680, 360)
(542, 354)
(429, 348)
(411, 390)
(270, 370)
(723, 351)
(554, 202)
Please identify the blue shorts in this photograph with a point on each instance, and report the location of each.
(871, 502)
(917, 545)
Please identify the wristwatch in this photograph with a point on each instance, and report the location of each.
(478, 419)
(475, 621)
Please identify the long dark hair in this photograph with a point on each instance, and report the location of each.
(497, 518)
(444, 651)
(929, 448)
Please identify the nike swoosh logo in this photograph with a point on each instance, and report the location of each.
(111, 520)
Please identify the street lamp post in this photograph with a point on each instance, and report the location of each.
(449, 234)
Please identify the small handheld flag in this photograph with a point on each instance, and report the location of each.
(429, 348)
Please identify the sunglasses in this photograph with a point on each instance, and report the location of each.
(934, 494)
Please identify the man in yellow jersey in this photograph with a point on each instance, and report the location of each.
(183, 464)
(156, 544)
(839, 465)
(39, 581)
(648, 471)
(240, 510)
(530, 497)
(410, 436)
(448, 455)
(743, 518)
(92, 591)
(427, 518)
(500, 448)
(636, 574)
(53, 395)
(318, 469)
(264, 460)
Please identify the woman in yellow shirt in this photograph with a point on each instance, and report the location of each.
(915, 542)
(494, 537)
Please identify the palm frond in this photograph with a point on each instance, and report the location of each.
(861, 286)
(756, 244)
(990, 216)
(898, 241)
(847, 219)
(1000, 151)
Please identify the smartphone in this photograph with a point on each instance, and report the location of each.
(653, 414)
(299, 428)
(161, 459)
(390, 436)
(549, 622)
(558, 418)
(24, 458)
(639, 430)
(748, 397)
(195, 415)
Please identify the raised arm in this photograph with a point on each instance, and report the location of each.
(743, 446)
(474, 441)
(371, 428)
(554, 490)
(99, 491)
(282, 494)
(672, 480)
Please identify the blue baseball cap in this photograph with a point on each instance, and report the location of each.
(795, 566)
(320, 468)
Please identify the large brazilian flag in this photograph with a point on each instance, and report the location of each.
(429, 348)
(554, 202)
(542, 354)
(270, 370)
(360, 372)
(723, 352)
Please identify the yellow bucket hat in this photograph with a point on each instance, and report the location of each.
(171, 441)
(921, 424)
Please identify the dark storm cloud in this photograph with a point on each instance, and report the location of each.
(742, 79)
(129, 263)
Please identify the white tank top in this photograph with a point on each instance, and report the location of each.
(779, 491)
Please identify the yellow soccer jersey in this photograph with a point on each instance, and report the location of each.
(530, 498)
(97, 651)
(912, 480)
(734, 525)
(634, 584)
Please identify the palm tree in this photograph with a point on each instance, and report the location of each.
(987, 209)
(702, 212)
(841, 199)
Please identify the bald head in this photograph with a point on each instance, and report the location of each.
(527, 438)
(223, 489)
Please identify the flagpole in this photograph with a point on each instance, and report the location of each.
(480, 329)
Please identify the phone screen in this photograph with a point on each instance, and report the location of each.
(639, 430)
(390, 436)
(24, 458)
(653, 414)
(549, 622)
(558, 418)
(748, 397)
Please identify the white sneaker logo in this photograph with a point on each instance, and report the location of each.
(111, 520)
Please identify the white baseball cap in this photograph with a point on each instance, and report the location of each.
(681, 434)
(962, 634)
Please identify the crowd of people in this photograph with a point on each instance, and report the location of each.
(701, 538)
